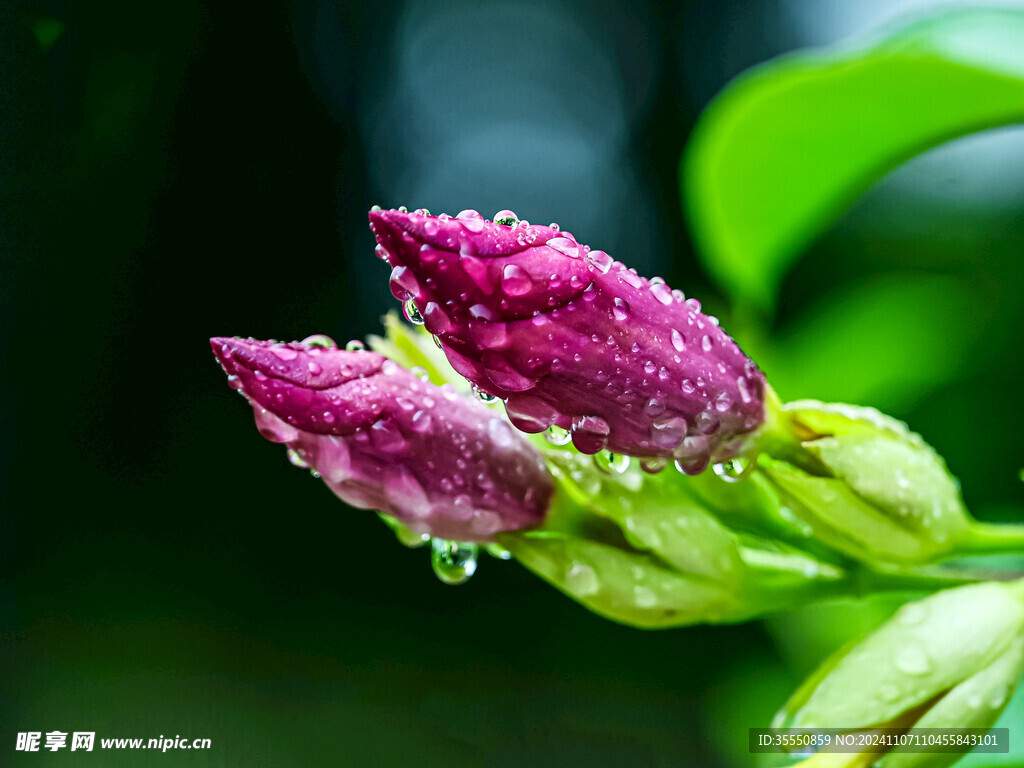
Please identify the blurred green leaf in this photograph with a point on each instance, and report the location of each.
(786, 147)
(883, 343)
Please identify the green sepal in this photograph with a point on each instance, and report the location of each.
(412, 346)
(977, 702)
(926, 650)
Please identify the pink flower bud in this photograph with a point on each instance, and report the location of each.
(567, 336)
(381, 438)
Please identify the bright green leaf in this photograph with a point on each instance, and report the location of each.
(787, 147)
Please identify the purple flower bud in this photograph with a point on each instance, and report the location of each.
(569, 337)
(381, 438)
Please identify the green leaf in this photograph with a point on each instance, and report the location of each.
(886, 342)
(781, 152)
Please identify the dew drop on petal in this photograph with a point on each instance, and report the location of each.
(506, 218)
(661, 292)
(652, 465)
(611, 463)
(319, 340)
(355, 346)
(412, 313)
(515, 281)
(482, 396)
(600, 261)
(621, 309)
(589, 433)
(557, 436)
(678, 341)
(565, 246)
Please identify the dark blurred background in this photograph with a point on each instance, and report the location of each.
(175, 170)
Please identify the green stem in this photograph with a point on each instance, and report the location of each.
(868, 580)
(992, 539)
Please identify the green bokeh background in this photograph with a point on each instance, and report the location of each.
(172, 171)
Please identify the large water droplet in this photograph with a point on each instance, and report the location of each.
(565, 246)
(611, 463)
(662, 293)
(678, 341)
(404, 284)
(652, 465)
(735, 469)
(355, 346)
(482, 396)
(515, 281)
(600, 261)
(705, 343)
(530, 414)
(319, 340)
(557, 436)
(506, 218)
(620, 310)
(589, 433)
(668, 431)
(454, 562)
(412, 313)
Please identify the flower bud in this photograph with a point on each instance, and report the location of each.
(880, 492)
(381, 438)
(567, 336)
(950, 660)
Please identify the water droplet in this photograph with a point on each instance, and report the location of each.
(454, 562)
(887, 692)
(412, 313)
(621, 309)
(705, 343)
(661, 292)
(644, 597)
(284, 353)
(375, 208)
(735, 469)
(687, 387)
(320, 341)
(529, 414)
(557, 436)
(600, 261)
(912, 659)
(589, 433)
(506, 218)
(515, 281)
(565, 246)
(381, 252)
(403, 284)
(402, 209)
(355, 346)
(678, 341)
(652, 465)
(654, 407)
(420, 373)
(421, 422)
(581, 580)
(668, 431)
(314, 368)
(296, 459)
(611, 463)
(483, 397)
